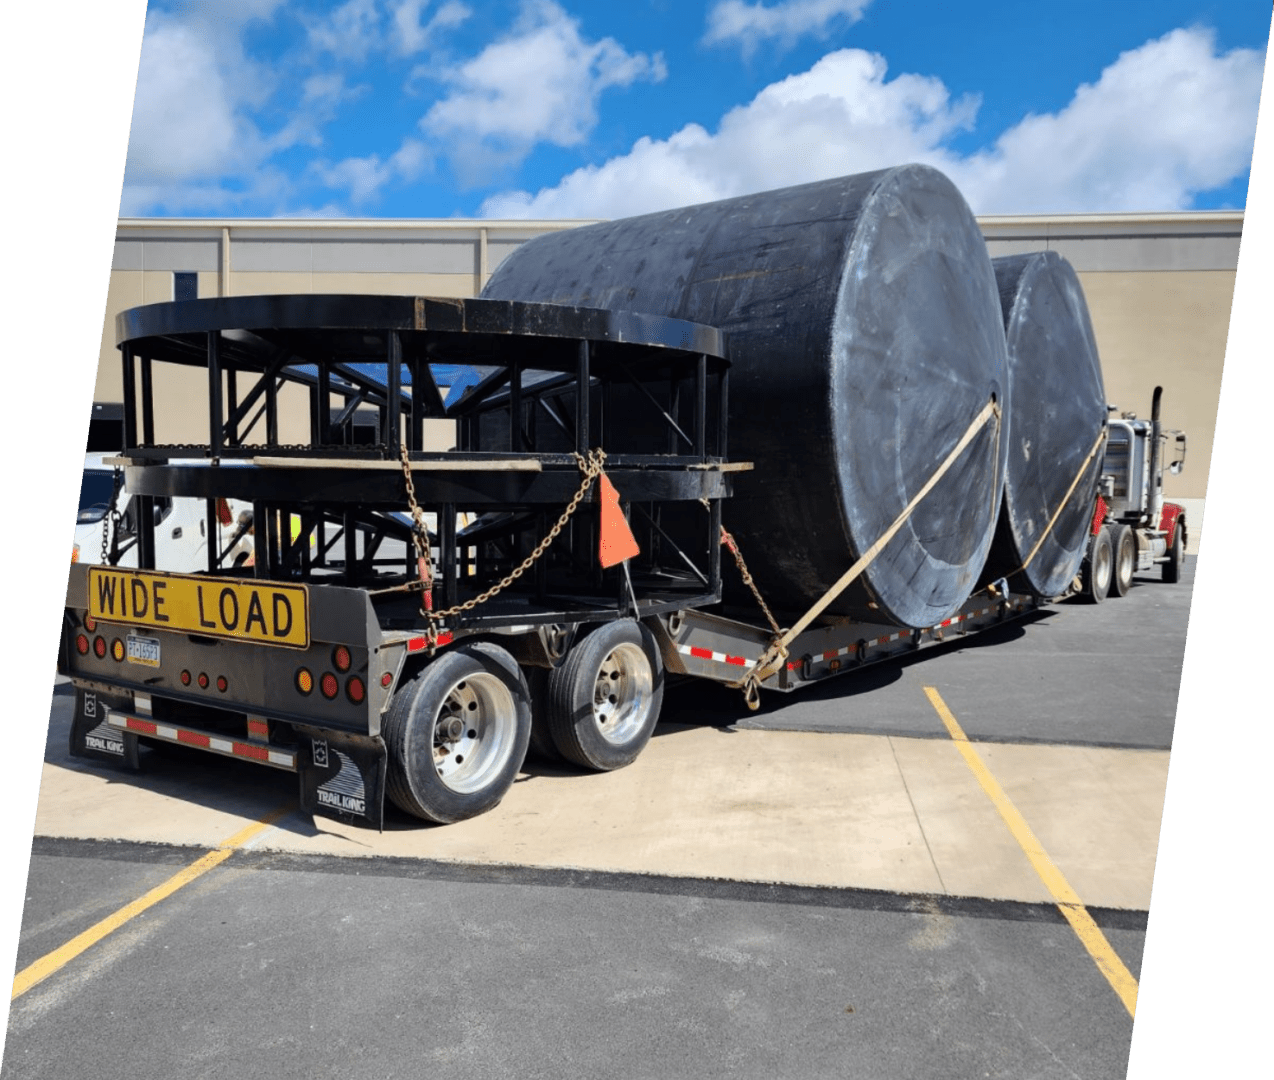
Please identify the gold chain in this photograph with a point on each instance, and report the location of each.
(590, 466)
(750, 684)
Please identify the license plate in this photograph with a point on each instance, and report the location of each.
(142, 650)
(266, 612)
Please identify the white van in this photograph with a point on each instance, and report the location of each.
(181, 541)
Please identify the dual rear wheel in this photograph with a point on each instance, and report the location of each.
(458, 731)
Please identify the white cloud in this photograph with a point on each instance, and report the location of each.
(1164, 122)
(840, 117)
(750, 24)
(366, 176)
(348, 33)
(540, 83)
(195, 88)
(409, 36)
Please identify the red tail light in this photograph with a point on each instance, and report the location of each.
(355, 690)
(99, 647)
(329, 686)
(341, 658)
(203, 681)
(81, 644)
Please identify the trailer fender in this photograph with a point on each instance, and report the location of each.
(342, 775)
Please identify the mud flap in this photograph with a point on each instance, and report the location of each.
(342, 776)
(91, 737)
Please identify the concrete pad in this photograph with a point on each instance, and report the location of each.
(802, 808)
(973, 851)
(1096, 812)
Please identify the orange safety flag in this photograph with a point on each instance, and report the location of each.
(615, 541)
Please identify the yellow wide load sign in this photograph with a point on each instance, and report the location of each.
(265, 611)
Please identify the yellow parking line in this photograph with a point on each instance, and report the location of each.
(1067, 900)
(59, 958)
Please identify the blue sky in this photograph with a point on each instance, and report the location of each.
(569, 109)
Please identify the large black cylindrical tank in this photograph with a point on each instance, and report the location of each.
(1057, 411)
(864, 331)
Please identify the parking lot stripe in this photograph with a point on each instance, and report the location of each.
(1066, 899)
(49, 963)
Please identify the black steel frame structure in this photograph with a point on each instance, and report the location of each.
(553, 384)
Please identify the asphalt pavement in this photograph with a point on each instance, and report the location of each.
(671, 919)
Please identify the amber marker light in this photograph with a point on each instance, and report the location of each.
(99, 647)
(355, 690)
(304, 680)
(328, 685)
(341, 659)
(117, 650)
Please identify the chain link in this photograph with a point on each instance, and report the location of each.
(112, 517)
(750, 684)
(590, 466)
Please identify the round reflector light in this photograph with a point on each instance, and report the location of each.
(99, 647)
(355, 690)
(185, 678)
(304, 680)
(222, 685)
(341, 659)
(328, 685)
(387, 678)
(81, 644)
(203, 681)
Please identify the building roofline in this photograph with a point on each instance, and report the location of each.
(1172, 217)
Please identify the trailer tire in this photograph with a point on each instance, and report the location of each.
(605, 727)
(445, 770)
(1096, 570)
(541, 745)
(1124, 547)
(1176, 556)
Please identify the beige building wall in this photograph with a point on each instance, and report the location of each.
(1159, 288)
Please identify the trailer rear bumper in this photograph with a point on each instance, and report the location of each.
(340, 774)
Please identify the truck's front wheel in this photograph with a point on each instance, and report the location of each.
(1176, 556)
(457, 734)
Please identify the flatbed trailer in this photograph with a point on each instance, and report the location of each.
(376, 659)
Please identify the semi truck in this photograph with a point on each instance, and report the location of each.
(761, 463)
(1134, 528)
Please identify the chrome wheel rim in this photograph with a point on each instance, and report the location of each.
(1102, 565)
(474, 732)
(621, 694)
(1125, 562)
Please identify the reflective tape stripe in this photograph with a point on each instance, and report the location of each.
(718, 657)
(285, 759)
(419, 644)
